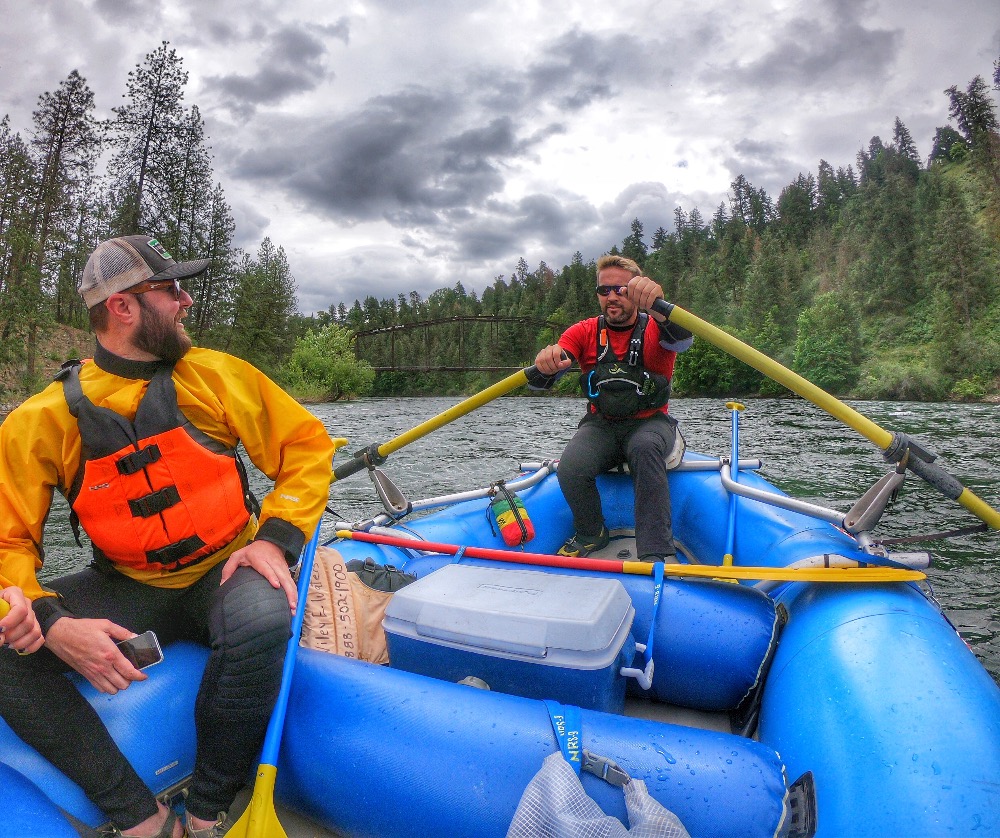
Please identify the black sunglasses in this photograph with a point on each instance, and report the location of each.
(604, 290)
(173, 285)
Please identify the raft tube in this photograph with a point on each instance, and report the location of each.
(153, 724)
(366, 744)
(874, 691)
(27, 809)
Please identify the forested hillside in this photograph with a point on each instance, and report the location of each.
(876, 277)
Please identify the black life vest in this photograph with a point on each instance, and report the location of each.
(155, 493)
(620, 388)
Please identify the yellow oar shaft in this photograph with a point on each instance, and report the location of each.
(374, 455)
(511, 382)
(819, 397)
(772, 369)
(785, 574)
(980, 508)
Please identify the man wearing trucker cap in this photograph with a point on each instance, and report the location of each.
(142, 442)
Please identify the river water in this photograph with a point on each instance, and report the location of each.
(805, 452)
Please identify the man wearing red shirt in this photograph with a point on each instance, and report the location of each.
(627, 359)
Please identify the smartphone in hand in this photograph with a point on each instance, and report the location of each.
(142, 651)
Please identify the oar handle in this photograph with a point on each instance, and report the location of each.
(353, 466)
(933, 474)
(376, 454)
(4, 608)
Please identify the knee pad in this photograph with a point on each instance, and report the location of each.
(249, 615)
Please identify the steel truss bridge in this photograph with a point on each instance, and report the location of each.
(364, 339)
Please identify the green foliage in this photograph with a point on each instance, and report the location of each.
(322, 367)
(900, 374)
(704, 370)
(828, 345)
(970, 389)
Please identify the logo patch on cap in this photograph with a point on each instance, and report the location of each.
(159, 248)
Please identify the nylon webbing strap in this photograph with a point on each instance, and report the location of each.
(175, 552)
(566, 724)
(155, 503)
(509, 497)
(138, 460)
(657, 596)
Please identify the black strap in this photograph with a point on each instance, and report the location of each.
(936, 536)
(501, 487)
(175, 552)
(138, 460)
(154, 504)
(636, 341)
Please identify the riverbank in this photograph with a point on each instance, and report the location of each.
(62, 343)
(65, 342)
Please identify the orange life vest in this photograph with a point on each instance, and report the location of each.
(155, 493)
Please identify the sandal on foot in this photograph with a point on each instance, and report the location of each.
(166, 831)
(215, 830)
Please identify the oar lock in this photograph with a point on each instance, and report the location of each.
(922, 464)
(371, 456)
(902, 446)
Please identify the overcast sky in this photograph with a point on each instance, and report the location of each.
(398, 145)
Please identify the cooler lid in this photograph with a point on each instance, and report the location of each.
(522, 612)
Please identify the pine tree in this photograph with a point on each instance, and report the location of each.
(18, 181)
(145, 132)
(66, 146)
(946, 141)
(973, 110)
(184, 213)
(264, 304)
(633, 247)
(796, 209)
(902, 142)
(213, 292)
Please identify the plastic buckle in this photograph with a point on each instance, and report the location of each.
(604, 768)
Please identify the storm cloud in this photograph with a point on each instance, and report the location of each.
(391, 147)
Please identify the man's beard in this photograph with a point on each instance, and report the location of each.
(159, 335)
(621, 315)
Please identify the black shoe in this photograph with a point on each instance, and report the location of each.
(666, 558)
(583, 545)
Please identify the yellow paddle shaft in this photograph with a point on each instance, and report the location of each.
(782, 574)
(772, 369)
(819, 397)
(4, 608)
(511, 382)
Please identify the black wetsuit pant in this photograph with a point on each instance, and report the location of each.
(600, 445)
(246, 623)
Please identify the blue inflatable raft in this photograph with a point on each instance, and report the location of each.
(790, 704)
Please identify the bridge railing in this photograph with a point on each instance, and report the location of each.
(370, 344)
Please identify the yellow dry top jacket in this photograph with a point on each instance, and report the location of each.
(225, 398)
